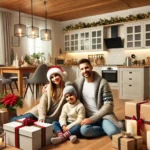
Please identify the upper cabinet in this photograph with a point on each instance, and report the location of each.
(137, 35)
(89, 39)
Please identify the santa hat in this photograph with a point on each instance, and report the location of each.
(56, 69)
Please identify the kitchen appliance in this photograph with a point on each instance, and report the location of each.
(128, 61)
(110, 73)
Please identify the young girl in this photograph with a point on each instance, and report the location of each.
(52, 99)
(73, 112)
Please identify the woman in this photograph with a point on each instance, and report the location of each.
(52, 100)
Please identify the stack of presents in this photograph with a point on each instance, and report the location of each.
(137, 121)
(26, 134)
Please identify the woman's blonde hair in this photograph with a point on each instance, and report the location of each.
(53, 90)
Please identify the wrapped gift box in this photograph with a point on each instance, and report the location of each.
(139, 109)
(127, 143)
(3, 117)
(29, 137)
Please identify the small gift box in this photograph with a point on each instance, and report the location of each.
(127, 143)
(32, 137)
(139, 111)
(3, 117)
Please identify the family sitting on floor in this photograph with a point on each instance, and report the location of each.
(82, 108)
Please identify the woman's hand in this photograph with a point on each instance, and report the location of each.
(64, 128)
(86, 121)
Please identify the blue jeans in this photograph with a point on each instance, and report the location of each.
(99, 128)
(75, 130)
(27, 115)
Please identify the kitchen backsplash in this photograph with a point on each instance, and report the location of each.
(112, 56)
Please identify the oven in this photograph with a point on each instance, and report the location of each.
(110, 73)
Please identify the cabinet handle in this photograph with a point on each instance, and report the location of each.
(130, 85)
(130, 78)
(130, 72)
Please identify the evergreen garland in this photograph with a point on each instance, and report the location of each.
(113, 20)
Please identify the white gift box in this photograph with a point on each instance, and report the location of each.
(30, 137)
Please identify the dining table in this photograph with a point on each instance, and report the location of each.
(19, 71)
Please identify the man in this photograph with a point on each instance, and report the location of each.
(94, 92)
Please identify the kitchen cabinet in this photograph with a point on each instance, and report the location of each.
(83, 40)
(134, 36)
(137, 35)
(133, 83)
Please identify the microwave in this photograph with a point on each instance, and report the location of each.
(59, 61)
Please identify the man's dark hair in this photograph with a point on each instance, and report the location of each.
(84, 60)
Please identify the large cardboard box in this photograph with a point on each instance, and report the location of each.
(125, 143)
(141, 110)
(29, 137)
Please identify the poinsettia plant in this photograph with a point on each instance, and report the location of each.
(11, 101)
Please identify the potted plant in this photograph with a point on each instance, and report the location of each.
(11, 102)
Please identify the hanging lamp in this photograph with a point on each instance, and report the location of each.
(45, 33)
(19, 29)
(32, 32)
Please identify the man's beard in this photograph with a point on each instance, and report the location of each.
(88, 74)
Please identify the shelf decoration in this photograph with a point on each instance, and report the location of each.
(113, 20)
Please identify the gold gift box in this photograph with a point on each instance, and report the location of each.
(3, 117)
(127, 143)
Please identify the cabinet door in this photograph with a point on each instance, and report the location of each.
(146, 34)
(67, 42)
(74, 42)
(97, 38)
(134, 34)
(85, 40)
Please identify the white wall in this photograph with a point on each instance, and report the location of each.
(112, 56)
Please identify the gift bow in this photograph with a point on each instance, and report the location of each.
(139, 124)
(28, 122)
(126, 135)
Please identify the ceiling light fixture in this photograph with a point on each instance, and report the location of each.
(19, 29)
(32, 32)
(45, 33)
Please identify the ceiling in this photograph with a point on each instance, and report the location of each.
(63, 10)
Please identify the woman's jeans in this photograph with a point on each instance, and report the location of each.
(99, 128)
(75, 130)
(27, 115)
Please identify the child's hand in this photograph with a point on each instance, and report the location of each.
(64, 128)
(42, 120)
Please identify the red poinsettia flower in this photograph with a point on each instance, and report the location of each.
(11, 101)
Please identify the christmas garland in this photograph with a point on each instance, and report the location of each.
(113, 20)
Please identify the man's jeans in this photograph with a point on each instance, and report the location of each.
(100, 128)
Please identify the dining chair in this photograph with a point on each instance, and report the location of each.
(6, 82)
(38, 77)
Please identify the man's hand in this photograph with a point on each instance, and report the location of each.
(64, 128)
(44, 88)
(42, 120)
(86, 121)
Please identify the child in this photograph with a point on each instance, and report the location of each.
(73, 112)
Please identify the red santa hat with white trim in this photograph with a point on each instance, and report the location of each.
(56, 69)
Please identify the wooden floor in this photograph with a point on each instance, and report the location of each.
(101, 143)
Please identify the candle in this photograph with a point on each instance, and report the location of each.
(0, 141)
(132, 127)
(148, 140)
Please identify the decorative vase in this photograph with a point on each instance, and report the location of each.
(12, 113)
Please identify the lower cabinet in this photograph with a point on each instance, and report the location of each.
(134, 83)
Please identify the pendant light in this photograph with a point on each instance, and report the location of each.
(32, 32)
(19, 29)
(45, 33)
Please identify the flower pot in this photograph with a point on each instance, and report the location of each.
(11, 113)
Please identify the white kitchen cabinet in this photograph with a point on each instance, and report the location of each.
(133, 83)
(146, 25)
(83, 40)
(134, 35)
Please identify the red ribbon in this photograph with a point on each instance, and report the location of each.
(139, 124)
(29, 122)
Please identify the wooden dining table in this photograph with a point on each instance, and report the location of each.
(19, 71)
